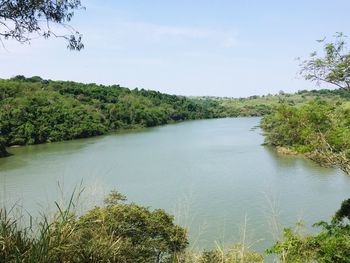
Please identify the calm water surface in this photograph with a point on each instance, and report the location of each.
(213, 175)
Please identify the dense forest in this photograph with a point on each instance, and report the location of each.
(34, 110)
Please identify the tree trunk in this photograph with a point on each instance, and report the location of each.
(3, 152)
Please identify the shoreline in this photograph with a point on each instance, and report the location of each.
(322, 158)
(136, 128)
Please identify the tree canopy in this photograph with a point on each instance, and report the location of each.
(332, 67)
(23, 20)
(33, 110)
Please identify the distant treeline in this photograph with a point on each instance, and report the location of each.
(257, 106)
(33, 110)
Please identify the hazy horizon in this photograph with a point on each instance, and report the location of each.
(227, 49)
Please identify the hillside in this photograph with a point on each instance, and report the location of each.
(265, 104)
(34, 110)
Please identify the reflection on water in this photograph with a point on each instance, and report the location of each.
(212, 174)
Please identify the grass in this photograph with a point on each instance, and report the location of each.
(98, 236)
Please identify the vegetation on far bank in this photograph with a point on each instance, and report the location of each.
(34, 110)
(257, 106)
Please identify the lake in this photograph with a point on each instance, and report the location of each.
(213, 175)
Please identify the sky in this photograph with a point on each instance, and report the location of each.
(233, 48)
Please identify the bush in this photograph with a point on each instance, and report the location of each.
(113, 233)
(330, 245)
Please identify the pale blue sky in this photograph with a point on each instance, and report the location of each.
(188, 47)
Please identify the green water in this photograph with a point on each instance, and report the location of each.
(212, 174)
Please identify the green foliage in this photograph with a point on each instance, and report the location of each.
(333, 67)
(120, 232)
(236, 254)
(144, 236)
(293, 248)
(115, 233)
(3, 152)
(330, 245)
(318, 128)
(20, 19)
(114, 198)
(33, 110)
(256, 106)
(343, 212)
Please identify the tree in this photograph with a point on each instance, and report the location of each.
(23, 20)
(142, 235)
(343, 212)
(3, 152)
(333, 67)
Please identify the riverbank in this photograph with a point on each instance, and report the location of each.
(35, 111)
(322, 158)
(200, 171)
(330, 159)
(318, 130)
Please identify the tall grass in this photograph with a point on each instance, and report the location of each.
(56, 238)
(96, 236)
(44, 240)
(64, 237)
